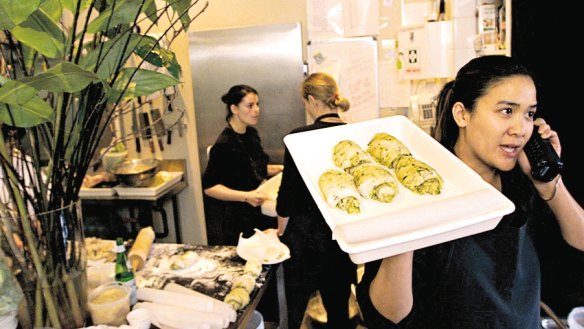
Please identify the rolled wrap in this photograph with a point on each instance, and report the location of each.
(375, 182)
(348, 154)
(386, 149)
(141, 248)
(418, 176)
(339, 190)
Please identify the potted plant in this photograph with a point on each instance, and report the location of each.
(67, 68)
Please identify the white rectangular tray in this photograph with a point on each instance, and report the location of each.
(467, 204)
(172, 177)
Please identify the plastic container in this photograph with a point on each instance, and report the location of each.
(110, 304)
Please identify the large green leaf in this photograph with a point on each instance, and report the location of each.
(53, 9)
(124, 13)
(41, 33)
(144, 83)
(149, 9)
(111, 53)
(21, 107)
(14, 12)
(64, 77)
(180, 7)
(157, 56)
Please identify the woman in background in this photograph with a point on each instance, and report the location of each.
(317, 262)
(237, 166)
(490, 279)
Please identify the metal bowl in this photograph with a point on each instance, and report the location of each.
(136, 172)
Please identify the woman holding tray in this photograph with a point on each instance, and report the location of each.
(317, 262)
(491, 279)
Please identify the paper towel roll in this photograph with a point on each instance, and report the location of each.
(141, 248)
(218, 305)
(182, 318)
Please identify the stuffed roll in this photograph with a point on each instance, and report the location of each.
(375, 182)
(348, 154)
(339, 190)
(418, 176)
(386, 149)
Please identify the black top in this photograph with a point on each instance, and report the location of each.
(487, 280)
(239, 162)
(317, 262)
(294, 196)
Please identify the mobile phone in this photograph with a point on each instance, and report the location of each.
(545, 162)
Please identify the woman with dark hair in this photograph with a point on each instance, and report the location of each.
(317, 262)
(237, 166)
(491, 279)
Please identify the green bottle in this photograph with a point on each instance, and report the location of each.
(124, 272)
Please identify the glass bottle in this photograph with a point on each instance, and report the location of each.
(124, 272)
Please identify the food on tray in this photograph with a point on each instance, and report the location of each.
(418, 176)
(386, 149)
(253, 267)
(339, 190)
(183, 260)
(375, 182)
(245, 281)
(238, 298)
(348, 154)
(98, 249)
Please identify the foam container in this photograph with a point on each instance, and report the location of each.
(467, 204)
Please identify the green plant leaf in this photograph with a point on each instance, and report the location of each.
(149, 9)
(53, 9)
(13, 13)
(111, 53)
(41, 33)
(144, 83)
(182, 6)
(158, 56)
(64, 77)
(124, 13)
(72, 4)
(20, 105)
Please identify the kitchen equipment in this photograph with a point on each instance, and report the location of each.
(136, 172)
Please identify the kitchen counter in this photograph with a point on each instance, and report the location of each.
(211, 275)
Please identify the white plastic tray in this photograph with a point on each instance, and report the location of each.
(467, 204)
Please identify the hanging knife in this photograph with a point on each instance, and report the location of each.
(147, 130)
(158, 125)
(135, 126)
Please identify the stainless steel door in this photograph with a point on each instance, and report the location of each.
(266, 57)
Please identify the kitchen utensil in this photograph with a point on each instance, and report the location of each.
(158, 125)
(136, 126)
(146, 128)
(136, 172)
